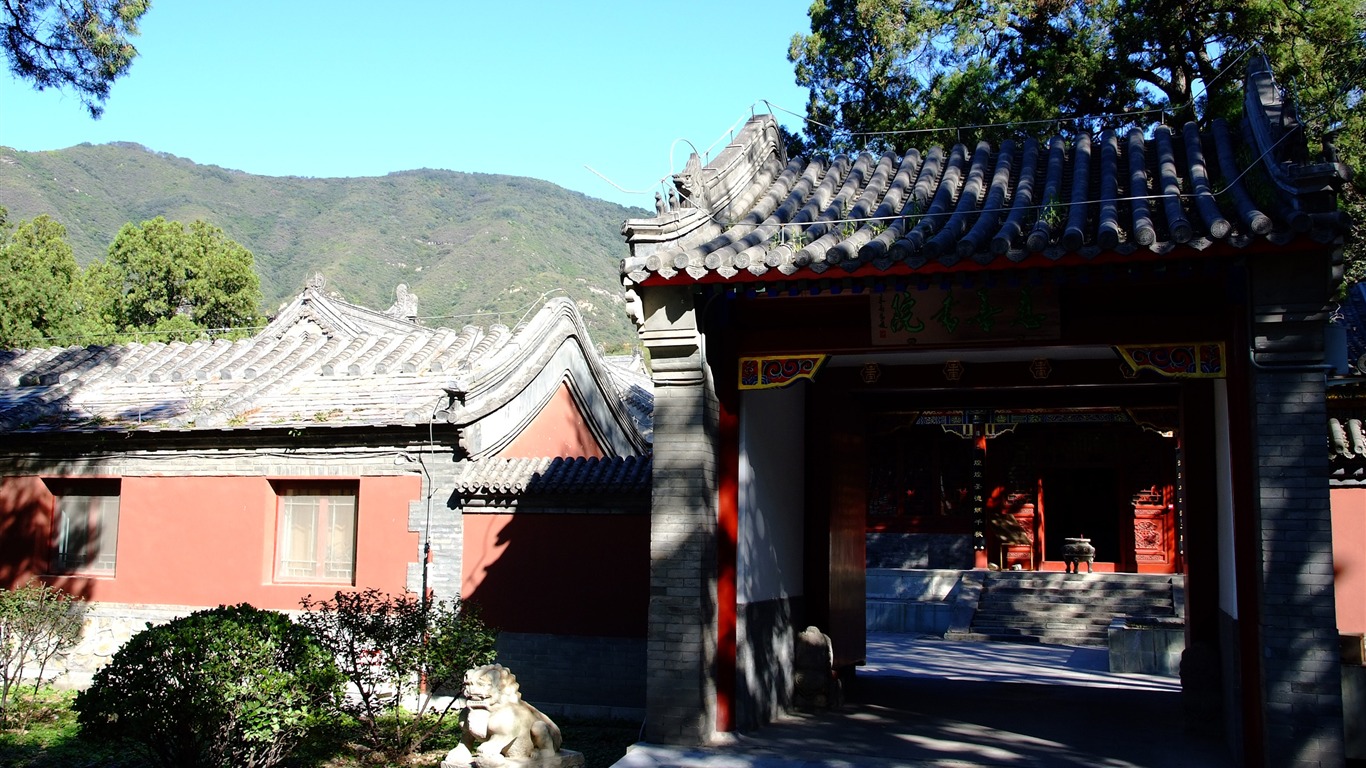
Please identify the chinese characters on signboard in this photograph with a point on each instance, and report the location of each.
(957, 315)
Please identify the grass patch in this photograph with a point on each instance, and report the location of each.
(50, 738)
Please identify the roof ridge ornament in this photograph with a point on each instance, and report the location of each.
(404, 306)
(689, 190)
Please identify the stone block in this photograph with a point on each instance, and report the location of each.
(1146, 646)
(940, 614)
(883, 615)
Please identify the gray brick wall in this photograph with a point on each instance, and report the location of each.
(446, 531)
(578, 676)
(1301, 676)
(680, 696)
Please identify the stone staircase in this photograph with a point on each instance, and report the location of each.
(1066, 608)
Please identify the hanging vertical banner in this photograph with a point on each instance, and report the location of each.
(979, 510)
(955, 314)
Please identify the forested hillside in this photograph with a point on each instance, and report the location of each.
(464, 243)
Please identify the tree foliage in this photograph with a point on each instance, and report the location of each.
(164, 281)
(37, 622)
(891, 65)
(39, 285)
(396, 652)
(225, 687)
(82, 45)
(160, 282)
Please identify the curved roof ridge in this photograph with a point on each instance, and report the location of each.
(552, 348)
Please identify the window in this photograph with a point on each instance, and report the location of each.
(85, 526)
(315, 537)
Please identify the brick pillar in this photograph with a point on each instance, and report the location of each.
(1301, 684)
(447, 525)
(1301, 681)
(680, 694)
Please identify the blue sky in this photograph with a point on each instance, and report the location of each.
(341, 88)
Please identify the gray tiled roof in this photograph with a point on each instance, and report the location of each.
(554, 477)
(320, 363)
(1347, 438)
(753, 214)
(1347, 451)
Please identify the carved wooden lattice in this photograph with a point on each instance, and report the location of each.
(1152, 528)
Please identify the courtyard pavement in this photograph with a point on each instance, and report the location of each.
(925, 702)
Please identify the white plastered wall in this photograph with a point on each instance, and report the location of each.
(772, 498)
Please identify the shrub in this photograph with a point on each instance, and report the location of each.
(396, 651)
(230, 686)
(36, 623)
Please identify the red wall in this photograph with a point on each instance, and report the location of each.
(558, 430)
(1349, 557)
(560, 573)
(205, 541)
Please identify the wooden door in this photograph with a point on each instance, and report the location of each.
(848, 505)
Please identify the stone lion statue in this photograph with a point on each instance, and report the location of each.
(815, 683)
(496, 726)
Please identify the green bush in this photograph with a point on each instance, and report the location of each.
(232, 686)
(396, 651)
(36, 623)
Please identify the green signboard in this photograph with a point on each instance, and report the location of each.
(958, 315)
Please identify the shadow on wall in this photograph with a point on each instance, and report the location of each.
(568, 591)
(576, 573)
(26, 510)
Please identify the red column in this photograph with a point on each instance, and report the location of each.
(727, 542)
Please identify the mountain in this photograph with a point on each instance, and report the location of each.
(467, 244)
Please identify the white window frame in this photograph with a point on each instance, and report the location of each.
(315, 533)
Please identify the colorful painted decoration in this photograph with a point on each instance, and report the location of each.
(1195, 360)
(776, 372)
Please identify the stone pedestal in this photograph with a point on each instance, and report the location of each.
(567, 758)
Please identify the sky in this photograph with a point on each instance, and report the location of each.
(542, 88)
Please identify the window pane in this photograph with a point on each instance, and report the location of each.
(104, 544)
(85, 533)
(298, 539)
(317, 535)
(341, 541)
(71, 532)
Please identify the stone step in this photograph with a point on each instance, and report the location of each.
(1099, 575)
(1079, 588)
(1076, 586)
(1052, 638)
(1065, 608)
(1070, 630)
(1055, 617)
(1097, 615)
(1043, 600)
(1053, 598)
